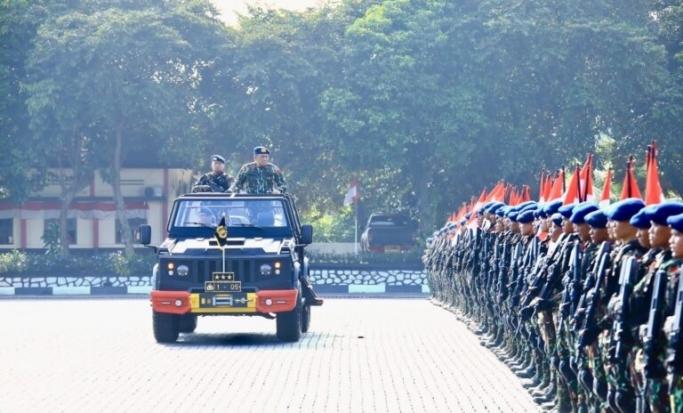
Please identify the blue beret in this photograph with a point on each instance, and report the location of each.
(597, 219)
(526, 217)
(552, 207)
(463, 221)
(468, 215)
(495, 207)
(442, 231)
(624, 210)
(580, 211)
(261, 150)
(660, 212)
(640, 220)
(502, 211)
(566, 210)
(218, 158)
(429, 240)
(452, 225)
(557, 219)
(512, 215)
(529, 207)
(525, 204)
(676, 222)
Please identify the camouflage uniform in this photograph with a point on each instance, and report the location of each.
(255, 179)
(213, 182)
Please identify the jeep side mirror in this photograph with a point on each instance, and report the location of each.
(143, 235)
(306, 234)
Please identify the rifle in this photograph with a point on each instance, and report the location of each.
(621, 336)
(570, 292)
(588, 332)
(502, 275)
(654, 369)
(537, 282)
(674, 360)
(579, 313)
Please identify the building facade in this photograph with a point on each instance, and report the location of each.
(91, 218)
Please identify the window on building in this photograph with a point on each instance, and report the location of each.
(133, 223)
(6, 231)
(70, 229)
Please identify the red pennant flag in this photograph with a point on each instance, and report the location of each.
(586, 180)
(353, 193)
(606, 190)
(556, 189)
(526, 193)
(571, 195)
(653, 188)
(630, 188)
(541, 191)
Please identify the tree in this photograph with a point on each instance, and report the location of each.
(129, 73)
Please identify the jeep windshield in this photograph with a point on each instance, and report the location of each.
(198, 218)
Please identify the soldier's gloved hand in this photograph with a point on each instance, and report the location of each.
(275, 191)
(589, 335)
(544, 305)
(526, 313)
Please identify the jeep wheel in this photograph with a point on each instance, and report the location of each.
(166, 327)
(305, 318)
(288, 324)
(187, 323)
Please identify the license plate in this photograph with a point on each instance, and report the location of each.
(223, 286)
(237, 300)
(392, 248)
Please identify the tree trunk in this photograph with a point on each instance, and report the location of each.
(118, 196)
(66, 197)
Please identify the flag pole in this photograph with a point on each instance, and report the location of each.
(355, 235)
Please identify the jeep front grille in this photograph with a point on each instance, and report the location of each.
(243, 270)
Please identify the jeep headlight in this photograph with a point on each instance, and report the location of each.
(183, 270)
(266, 269)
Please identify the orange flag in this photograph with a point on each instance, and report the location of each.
(556, 189)
(571, 195)
(497, 194)
(541, 191)
(526, 193)
(630, 189)
(653, 189)
(606, 190)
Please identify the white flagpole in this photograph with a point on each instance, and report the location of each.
(355, 236)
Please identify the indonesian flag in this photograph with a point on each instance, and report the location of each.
(653, 189)
(353, 194)
(556, 188)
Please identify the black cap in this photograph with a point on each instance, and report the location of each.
(218, 158)
(261, 150)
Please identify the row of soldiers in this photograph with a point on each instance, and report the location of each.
(583, 303)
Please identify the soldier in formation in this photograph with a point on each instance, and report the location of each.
(583, 303)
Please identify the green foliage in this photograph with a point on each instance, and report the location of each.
(13, 262)
(18, 263)
(331, 227)
(51, 239)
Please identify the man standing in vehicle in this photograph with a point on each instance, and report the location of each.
(260, 176)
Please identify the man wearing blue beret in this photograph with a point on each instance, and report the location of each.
(642, 223)
(674, 377)
(260, 176)
(216, 180)
(654, 390)
(621, 395)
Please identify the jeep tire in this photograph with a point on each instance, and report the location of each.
(288, 324)
(166, 327)
(305, 318)
(187, 323)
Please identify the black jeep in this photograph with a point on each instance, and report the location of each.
(231, 255)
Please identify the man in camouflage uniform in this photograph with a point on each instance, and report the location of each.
(651, 361)
(675, 358)
(216, 180)
(260, 176)
(617, 373)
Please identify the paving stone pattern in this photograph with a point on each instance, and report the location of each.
(361, 355)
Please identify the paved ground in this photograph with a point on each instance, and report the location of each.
(361, 355)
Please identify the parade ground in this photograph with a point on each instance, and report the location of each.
(360, 355)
